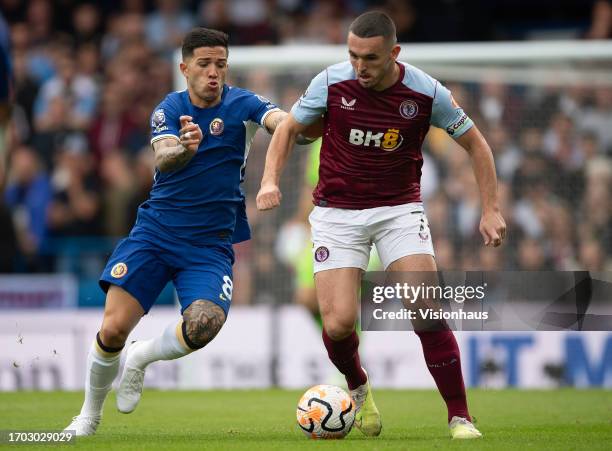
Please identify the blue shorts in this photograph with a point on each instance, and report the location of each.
(143, 265)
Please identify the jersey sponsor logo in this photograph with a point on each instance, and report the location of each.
(346, 105)
(408, 109)
(453, 128)
(216, 126)
(387, 141)
(119, 270)
(321, 254)
(158, 121)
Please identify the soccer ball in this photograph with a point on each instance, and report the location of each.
(326, 411)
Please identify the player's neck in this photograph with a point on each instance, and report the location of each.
(202, 103)
(389, 80)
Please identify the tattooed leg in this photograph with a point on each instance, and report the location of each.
(202, 321)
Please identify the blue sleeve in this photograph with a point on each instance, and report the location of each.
(448, 115)
(259, 108)
(165, 121)
(313, 102)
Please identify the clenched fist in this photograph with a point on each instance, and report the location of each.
(268, 197)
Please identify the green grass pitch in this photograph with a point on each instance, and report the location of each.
(265, 420)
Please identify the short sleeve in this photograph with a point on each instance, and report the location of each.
(313, 102)
(448, 115)
(259, 108)
(165, 122)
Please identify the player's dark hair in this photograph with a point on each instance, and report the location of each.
(372, 24)
(203, 37)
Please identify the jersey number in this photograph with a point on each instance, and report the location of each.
(228, 286)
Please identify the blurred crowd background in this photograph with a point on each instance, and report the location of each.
(87, 76)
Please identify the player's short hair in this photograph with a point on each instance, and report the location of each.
(203, 37)
(372, 24)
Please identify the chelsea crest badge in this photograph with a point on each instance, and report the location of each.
(216, 126)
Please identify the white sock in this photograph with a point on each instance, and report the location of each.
(169, 345)
(102, 368)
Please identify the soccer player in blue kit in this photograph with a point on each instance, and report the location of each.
(185, 230)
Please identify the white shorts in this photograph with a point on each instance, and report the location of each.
(342, 238)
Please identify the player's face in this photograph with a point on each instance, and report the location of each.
(205, 72)
(373, 60)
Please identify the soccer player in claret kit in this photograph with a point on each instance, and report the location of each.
(376, 113)
(185, 230)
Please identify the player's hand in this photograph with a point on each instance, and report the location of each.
(190, 134)
(492, 228)
(268, 197)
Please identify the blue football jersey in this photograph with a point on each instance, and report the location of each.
(203, 202)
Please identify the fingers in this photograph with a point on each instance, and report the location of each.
(185, 119)
(190, 134)
(190, 142)
(190, 128)
(492, 237)
(267, 200)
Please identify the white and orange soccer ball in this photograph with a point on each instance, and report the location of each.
(326, 411)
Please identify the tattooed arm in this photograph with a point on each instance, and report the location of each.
(273, 119)
(172, 154)
(203, 321)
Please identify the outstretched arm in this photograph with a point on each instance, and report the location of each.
(174, 153)
(280, 146)
(492, 224)
(309, 134)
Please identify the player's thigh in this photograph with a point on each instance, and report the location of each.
(415, 262)
(340, 239)
(418, 270)
(338, 296)
(205, 274)
(402, 231)
(121, 314)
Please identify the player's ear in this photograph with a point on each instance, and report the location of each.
(183, 68)
(395, 50)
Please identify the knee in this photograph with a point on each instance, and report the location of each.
(203, 320)
(113, 335)
(337, 329)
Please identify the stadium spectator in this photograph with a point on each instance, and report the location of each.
(40, 21)
(78, 91)
(28, 194)
(86, 24)
(76, 205)
(166, 26)
(25, 87)
(113, 126)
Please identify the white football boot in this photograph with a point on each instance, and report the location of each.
(131, 384)
(82, 425)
